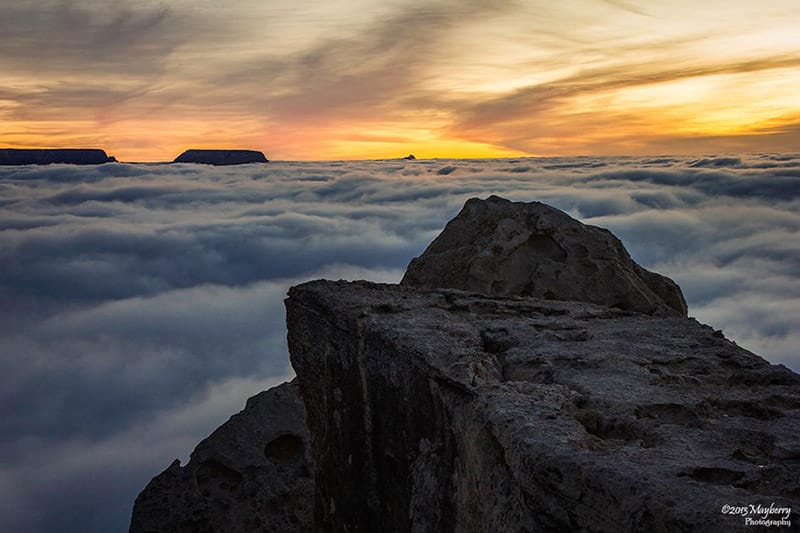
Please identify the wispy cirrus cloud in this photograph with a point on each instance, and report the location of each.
(361, 80)
(84, 39)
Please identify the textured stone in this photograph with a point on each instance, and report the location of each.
(251, 474)
(502, 248)
(71, 156)
(441, 410)
(498, 407)
(221, 157)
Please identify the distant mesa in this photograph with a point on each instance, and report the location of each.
(221, 157)
(409, 157)
(69, 156)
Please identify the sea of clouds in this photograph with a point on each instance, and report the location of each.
(140, 305)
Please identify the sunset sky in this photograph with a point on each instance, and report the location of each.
(358, 79)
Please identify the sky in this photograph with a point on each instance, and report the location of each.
(140, 305)
(365, 79)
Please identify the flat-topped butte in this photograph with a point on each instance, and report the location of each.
(48, 156)
(221, 157)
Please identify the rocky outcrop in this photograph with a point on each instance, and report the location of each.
(221, 157)
(503, 248)
(441, 410)
(70, 156)
(251, 474)
(526, 375)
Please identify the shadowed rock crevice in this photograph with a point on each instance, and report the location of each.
(286, 449)
(715, 476)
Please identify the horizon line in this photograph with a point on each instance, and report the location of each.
(406, 158)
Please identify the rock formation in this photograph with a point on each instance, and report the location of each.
(473, 397)
(441, 410)
(409, 157)
(221, 157)
(71, 156)
(251, 474)
(501, 248)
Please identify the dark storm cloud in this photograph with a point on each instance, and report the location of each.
(141, 304)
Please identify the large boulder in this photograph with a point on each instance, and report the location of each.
(71, 156)
(251, 474)
(446, 411)
(221, 157)
(502, 248)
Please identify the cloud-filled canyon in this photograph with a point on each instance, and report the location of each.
(142, 304)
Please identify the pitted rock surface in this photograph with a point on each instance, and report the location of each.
(502, 248)
(442, 410)
(525, 376)
(251, 474)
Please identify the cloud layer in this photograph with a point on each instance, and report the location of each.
(142, 304)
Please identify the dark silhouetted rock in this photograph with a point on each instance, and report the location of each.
(221, 157)
(251, 474)
(409, 157)
(502, 248)
(70, 156)
(441, 410)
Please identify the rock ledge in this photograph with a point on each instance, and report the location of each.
(441, 410)
(526, 375)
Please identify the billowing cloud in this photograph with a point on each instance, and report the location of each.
(142, 304)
